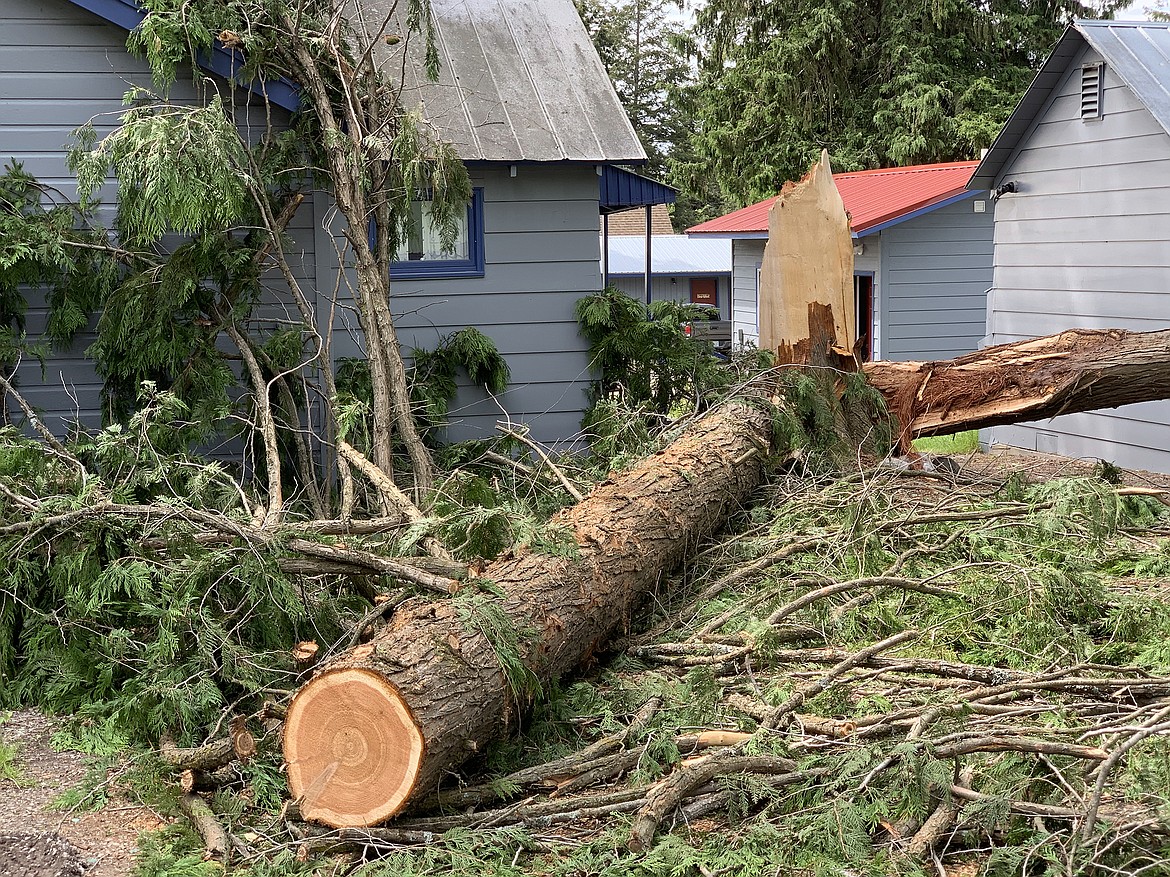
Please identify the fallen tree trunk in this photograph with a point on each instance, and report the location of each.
(1077, 370)
(380, 726)
(386, 722)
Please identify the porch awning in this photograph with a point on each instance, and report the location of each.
(623, 190)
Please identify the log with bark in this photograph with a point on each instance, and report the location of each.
(382, 725)
(1073, 371)
(379, 727)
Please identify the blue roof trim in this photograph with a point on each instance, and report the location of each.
(921, 211)
(221, 60)
(670, 273)
(622, 190)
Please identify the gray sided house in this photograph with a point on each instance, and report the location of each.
(922, 259)
(1082, 222)
(526, 102)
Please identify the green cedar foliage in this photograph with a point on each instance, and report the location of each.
(434, 382)
(128, 623)
(45, 243)
(649, 371)
(876, 83)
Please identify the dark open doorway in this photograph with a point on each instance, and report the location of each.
(863, 296)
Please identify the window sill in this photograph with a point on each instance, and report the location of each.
(434, 270)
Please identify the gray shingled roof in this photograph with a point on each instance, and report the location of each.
(1137, 51)
(519, 81)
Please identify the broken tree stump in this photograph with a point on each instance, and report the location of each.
(383, 724)
(1073, 371)
(807, 310)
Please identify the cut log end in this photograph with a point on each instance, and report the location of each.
(352, 747)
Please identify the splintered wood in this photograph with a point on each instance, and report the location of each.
(1073, 371)
(806, 309)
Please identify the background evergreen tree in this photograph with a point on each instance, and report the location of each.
(648, 51)
(876, 83)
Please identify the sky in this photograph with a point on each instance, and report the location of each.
(1136, 11)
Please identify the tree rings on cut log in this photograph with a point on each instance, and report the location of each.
(352, 747)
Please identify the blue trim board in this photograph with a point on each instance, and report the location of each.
(670, 274)
(222, 61)
(913, 214)
(473, 266)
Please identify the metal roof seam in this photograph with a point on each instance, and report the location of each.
(551, 126)
(445, 52)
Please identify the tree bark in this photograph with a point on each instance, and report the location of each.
(1077, 370)
(383, 725)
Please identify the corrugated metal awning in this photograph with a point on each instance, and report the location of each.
(622, 190)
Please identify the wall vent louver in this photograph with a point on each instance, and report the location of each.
(1091, 89)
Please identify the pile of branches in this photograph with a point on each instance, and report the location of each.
(883, 673)
(151, 593)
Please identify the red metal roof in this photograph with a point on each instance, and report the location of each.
(872, 198)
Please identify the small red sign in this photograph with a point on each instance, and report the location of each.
(704, 291)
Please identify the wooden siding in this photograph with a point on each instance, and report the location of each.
(936, 270)
(542, 254)
(746, 258)
(931, 276)
(541, 239)
(1085, 242)
(60, 67)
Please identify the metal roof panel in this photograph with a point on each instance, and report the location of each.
(872, 198)
(519, 80)
(670, 254)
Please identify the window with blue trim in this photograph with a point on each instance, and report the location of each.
(422, 255)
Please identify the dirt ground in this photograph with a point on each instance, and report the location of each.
(108, 837)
